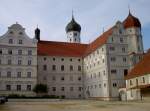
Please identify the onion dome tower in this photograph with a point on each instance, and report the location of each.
(73, 30)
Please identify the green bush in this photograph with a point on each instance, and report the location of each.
(17, 96)
(40, 88)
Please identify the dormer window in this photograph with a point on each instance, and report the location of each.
(10, 41)
(75, 34)
(20, 33)
(20, 41)
(11, 32)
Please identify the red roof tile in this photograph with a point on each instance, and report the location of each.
(98, 42)
(131, 21)
(142, 68)
(52, 48)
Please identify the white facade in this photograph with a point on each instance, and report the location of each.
(63, 75)
(98, 74)
(133, 86)
(18, 62)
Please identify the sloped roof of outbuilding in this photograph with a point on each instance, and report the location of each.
(141, 68)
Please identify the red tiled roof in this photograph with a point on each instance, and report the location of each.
(142, 68)
(131, 21)
(52, 48)
(98, 42)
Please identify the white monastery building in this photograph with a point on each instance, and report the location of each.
(70, 69)
(18, 62)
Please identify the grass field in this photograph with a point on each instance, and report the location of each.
(77, 105)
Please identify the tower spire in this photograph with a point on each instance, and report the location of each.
(72, 14)
(129, 9)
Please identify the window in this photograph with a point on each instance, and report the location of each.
(71, 78)
(54, 78)
(80, 88)
(79, 68)
(19, 74)
(62, 78)
(19, 62)
(44, 67)
(28, 74)
(9, 61)
(79, 60)
(100, 86)
(44, 58)
(20, 33)
(143, 80)
(53, 67)
(70, 59)
(29, 62)
(54, 59)
(20, 42)
(71, 88)
(11, 32)
(112, 48)
(121, 40)
(62, 68)
(9, 51)
(8, 74)
(131, 82)
(62, 88)
(1, 51)
(125, 72)
(54, 89)
(113, 59)
(28, 87)
(29, 52)
(99, 74)
(75, 34)
(62, 59)
(123, 49)
(18, 87)
(136, 82)
(19, 52)
(113, 71)
(124, 59)
(112, 39)
(104, 84)
(104, 72)
(79, 78)
(71, 68)
(8, 87)
(10, 41)
(114, 84)
(103, 60)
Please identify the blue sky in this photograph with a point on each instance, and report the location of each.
(52, 16)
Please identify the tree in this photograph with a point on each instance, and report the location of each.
(40, 89)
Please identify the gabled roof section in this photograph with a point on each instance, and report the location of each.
(142, 68)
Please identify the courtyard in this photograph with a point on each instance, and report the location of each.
(76, 105)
